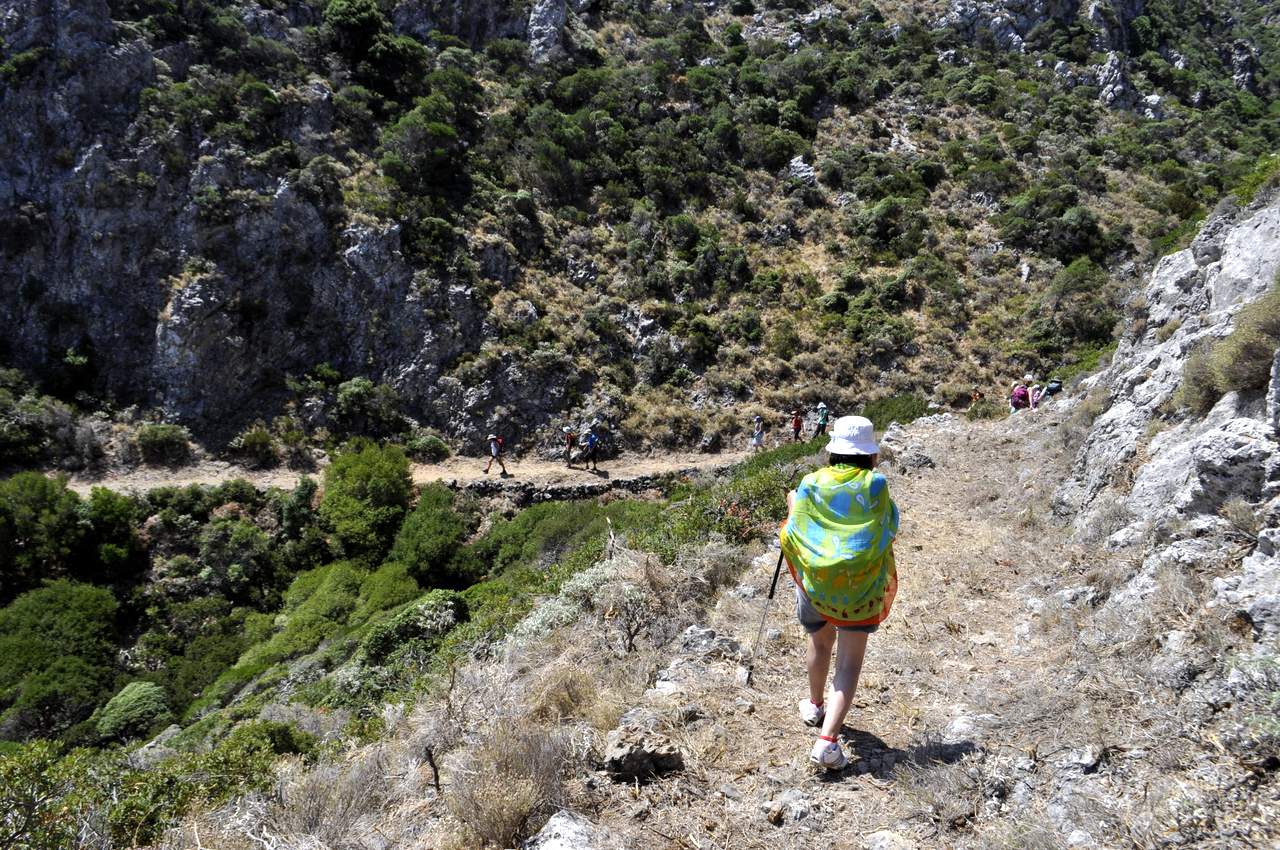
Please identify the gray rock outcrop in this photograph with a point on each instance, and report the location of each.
(634, 753)
(572, 831)
(1192, 297)
(547, 20)
(1170, 490)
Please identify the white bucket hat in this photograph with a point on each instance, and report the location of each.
(822, 404)
(853, 435)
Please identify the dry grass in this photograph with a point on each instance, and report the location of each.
(508, 784)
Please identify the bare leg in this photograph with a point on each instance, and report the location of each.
(817, 660)
(850, 649)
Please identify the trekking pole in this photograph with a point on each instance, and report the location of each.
(764, 616)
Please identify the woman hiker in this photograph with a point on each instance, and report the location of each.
(838, 542)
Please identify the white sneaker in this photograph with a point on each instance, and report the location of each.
(827, 755)
(811, 714)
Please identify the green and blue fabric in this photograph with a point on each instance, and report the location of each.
(838, 541)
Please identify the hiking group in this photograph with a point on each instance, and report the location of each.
(1028, 395)
(584, 448)
(797, 426)
(589, 441)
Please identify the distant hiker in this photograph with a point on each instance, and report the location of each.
(496, 450)
(570, 443)
(1020, 397)
(797, 425)
(822, 419)
(838, 542)
(757, 434)
(1042, 394)
(592, 446)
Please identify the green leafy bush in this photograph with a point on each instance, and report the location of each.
(415, 629)
(366, 495)
(41, 531)
(429, 539)
(139, 707)
(163, 444)
(57, 658)
(255, 447)
(902, 408)
(426, 447)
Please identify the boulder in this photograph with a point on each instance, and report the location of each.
(636, 754)
(706, 642)
(571, 831)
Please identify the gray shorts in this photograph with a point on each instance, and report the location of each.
(812, 620)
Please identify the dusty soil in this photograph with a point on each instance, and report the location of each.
(456, 469)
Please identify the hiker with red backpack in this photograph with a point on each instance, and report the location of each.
(496, 450)
(797, 425)
(1020, 397)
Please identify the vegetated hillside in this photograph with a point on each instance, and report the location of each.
(232, 210)
(1079, 647)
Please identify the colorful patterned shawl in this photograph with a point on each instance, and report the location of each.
(839, 544)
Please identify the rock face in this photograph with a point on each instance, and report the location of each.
(1009, 22)
(1192, 297)
(1171, 503)
(255, 273)
(546, 29)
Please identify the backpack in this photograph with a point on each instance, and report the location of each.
(502, 447)
(1020, 398)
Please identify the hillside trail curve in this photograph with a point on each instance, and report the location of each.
(457, 471)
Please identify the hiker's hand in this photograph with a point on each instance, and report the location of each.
(791, 500)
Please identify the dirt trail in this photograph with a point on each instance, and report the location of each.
(459, 470)
(958, 667)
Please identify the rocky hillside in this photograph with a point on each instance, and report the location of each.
(1083, 653)
(669, 216)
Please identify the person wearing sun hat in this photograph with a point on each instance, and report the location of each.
(838, 543)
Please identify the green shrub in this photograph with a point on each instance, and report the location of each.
(41, 797)
(57, 657)
(233, 556)
(429, 538)
(255, 447)
(1239, 362)
(139, 707)
(163, 444)
(363, 408)
(415, 629)
(426, 447)
(41, 531)
(366, 495)
(902, 408)
(383, 589)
